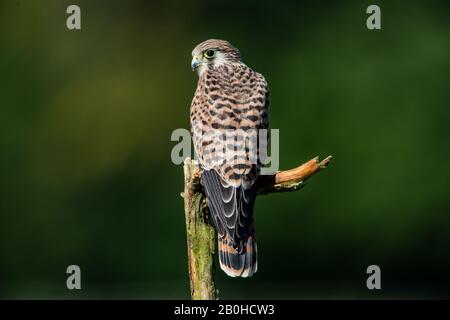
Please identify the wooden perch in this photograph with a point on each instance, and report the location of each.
(199, 227)
(291, 180)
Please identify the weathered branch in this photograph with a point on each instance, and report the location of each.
(291, 180)
(200, 235)
(199, 228)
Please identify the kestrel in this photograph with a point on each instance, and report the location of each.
(229, 108)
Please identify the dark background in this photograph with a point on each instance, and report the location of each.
(86, 117)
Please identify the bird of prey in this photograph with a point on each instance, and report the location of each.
(229, 108)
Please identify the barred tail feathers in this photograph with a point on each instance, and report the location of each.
(234, 263)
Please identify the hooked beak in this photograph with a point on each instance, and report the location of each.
(195, 63)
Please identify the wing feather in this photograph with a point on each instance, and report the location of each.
(239, 103)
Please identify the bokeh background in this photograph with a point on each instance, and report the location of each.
(86, 118)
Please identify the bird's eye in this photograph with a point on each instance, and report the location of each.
(209, 53)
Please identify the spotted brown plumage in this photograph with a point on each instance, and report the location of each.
(230, 105)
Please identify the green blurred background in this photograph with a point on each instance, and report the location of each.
(86, 118)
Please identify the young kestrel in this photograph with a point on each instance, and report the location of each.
(230, 105)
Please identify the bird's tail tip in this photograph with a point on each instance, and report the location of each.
(238, 264)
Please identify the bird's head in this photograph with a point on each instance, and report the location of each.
(213, 53)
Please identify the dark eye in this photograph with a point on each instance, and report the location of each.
(209, 53)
